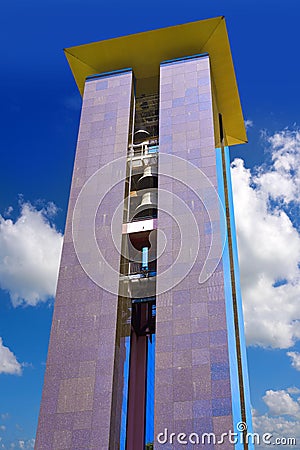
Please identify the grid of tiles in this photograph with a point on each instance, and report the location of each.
(192, 379)
(78, 389)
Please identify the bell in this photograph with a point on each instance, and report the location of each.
(149, 178)
(141, 135)
(147, 207)
(140, 240)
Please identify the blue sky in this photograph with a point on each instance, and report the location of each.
(39, 114)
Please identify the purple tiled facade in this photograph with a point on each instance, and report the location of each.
(78, 395)
(192, 378)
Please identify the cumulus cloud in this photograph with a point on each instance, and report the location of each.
(281, 403)
(282, 419)
(269, 242)
(295, 357)
(280, 427)
(30, 250)
(8, 362)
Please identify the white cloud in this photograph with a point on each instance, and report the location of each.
(279, 427)
(269, 243)
(30, 252)
(281, 403)
(293, 390)
(248, 123)
(295, 357)
(283, 180)
(8, 362)
(26, 444)
(282, 419)
(8, 211)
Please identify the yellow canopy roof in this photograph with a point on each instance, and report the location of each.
(143, 52)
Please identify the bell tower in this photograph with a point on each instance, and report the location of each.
(147, 346)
